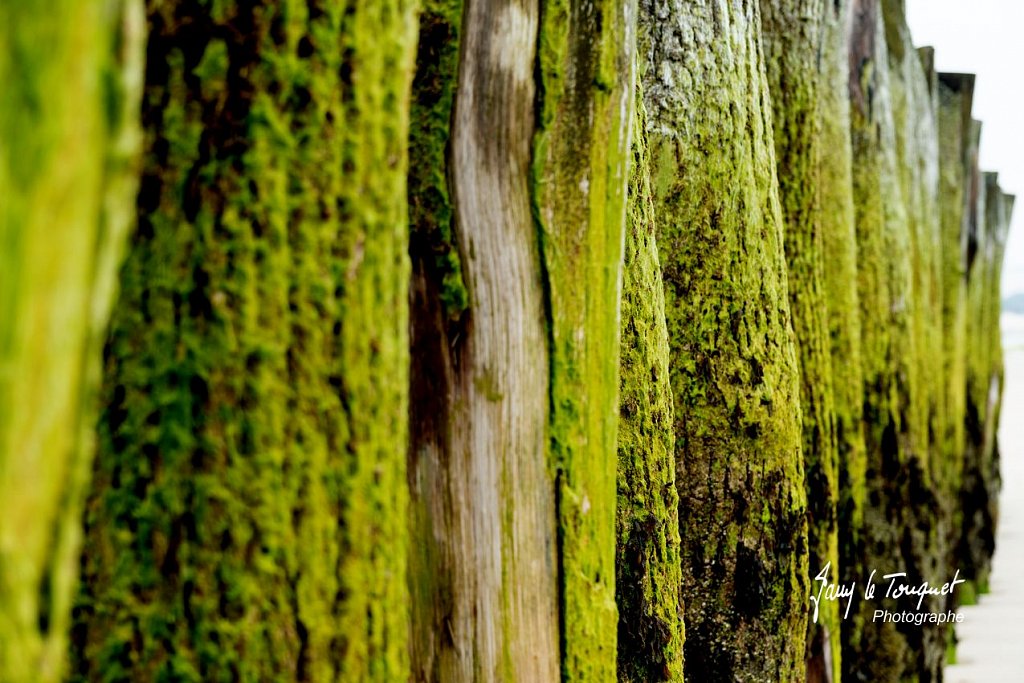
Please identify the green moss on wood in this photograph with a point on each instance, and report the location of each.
(248, 515)
(884, 278)
(581, 155)
(68, 171)
(840, 281)
(957, 162)
(430, 206)
(648, 578)
(926, 516)
(438, 301)
(890, 105)
(792, 35)
(733, 367)
(980, 484)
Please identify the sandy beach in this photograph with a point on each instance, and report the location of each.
(991, 635)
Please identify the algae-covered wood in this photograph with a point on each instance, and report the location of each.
(648, 570)
(793, 40)
(840, 280)
(69, 142)
(733, 364)
(247, 519)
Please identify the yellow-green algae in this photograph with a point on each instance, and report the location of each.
(432, 241)
(247, 520)
(840, 280)
(69, 142)
(884, 287)
(957, 167)
(792, 36)
(914, 106)
(981, 482)
(891, 168)
(733, 363)
(648, 573)
(581, 151)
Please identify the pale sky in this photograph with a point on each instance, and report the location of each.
(986, 37)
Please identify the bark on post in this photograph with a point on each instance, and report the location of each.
(648, 576)
(69, 145)
(792, 37)
(247, 519)
(734, 371)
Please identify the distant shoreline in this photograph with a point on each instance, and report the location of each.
(1012, 325)
(1014, 303)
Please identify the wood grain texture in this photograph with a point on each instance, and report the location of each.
(485, 578)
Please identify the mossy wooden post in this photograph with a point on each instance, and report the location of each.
(972, 546)
(648, 573)
(977, 538)
(882, 250)
(900, 496)
(792, 32)
(586, 76)
(733, 362)
(883, 275)
(248, 516)
(980, 486)
(914, 108)
(955, 98)
(69, 142)
(999, 211)
(839, 242)
(917, 162)
(514, 468)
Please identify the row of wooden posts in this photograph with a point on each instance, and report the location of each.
(488, 340)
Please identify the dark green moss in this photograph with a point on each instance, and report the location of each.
(430, 208)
